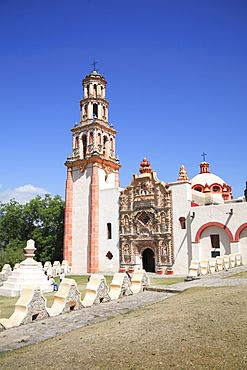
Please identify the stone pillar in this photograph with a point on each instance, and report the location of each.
(90, 111)
(90, 89)
(67, 249)
(94, 222)
(100, 111)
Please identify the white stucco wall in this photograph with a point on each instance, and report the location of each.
(109, 213)
(181, 196)
(80, 216)
(106, 181)
(220, 213)
(185, 247)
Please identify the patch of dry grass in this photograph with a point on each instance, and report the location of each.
(241, 275)
(201, 328)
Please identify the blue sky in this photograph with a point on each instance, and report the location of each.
(177, 79)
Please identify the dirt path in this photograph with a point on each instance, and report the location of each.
(201, 328)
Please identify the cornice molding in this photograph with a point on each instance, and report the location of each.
(87, 126)
(83, 163)
(92, 99)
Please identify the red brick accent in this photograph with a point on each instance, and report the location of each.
(239, 230)
(203, 227)
(94, 222)
(117, 182)
(67, 248)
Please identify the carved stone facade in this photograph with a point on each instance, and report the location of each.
(145, 223)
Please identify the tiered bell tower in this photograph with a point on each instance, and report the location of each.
(92, 187)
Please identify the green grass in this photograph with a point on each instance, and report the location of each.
(7, 305)
(165, 281)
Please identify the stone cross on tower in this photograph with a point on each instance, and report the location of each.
(94, 65)
(203, 156)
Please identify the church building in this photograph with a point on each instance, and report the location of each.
(151, 224)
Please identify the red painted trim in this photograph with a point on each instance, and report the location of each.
(169, 272)
(239, 230)
(203, 227)
(160, 272)
(193, 204)
(67, 248)
(94, 222)
(198, 186)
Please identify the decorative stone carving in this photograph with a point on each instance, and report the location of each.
(107, 169)
(30, 306)
(140, 281)
(76, 152)
(82, 168)
(120, 286)
(145, 216)
(67, 298)
(96, 291)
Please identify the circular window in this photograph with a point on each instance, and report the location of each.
(198, 189)
(216, 189)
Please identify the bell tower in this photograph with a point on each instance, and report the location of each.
(92, 186)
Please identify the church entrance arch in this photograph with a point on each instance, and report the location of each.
(148, 261)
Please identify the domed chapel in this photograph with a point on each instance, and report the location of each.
(150, 224)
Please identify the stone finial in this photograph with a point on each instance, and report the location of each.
(183, 174)
(30, 249)
(145, 166)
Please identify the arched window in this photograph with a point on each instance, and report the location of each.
(216, 189)
(76, 142)
(104, 111)
(111, 143)
(94, 90)
(105, 140)
(84, 145)
(198, 188)
(95, 110)
(182, 221)
(85, 109)
(91, 138)
(99, 138)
